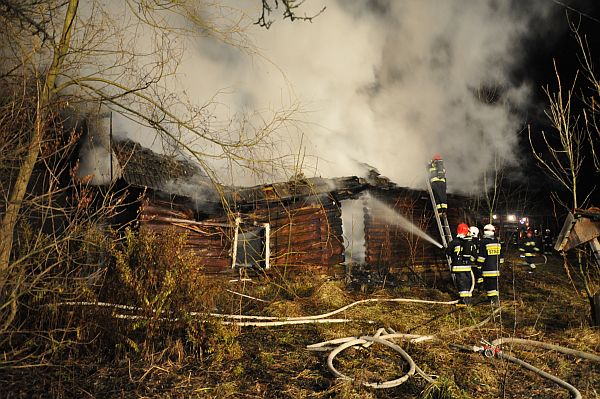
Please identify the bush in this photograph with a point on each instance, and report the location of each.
(158, 276)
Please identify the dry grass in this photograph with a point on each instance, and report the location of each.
(273, 362)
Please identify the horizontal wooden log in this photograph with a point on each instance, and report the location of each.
(208, 242)
(209, 252)
(310, 251)
(174, 220)
(276, 218)
(299, 241)
(302, 261)
(189, 233)
(148, 209)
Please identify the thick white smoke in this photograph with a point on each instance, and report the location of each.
(384, 82)
(388, 83)
(95, 154)
(394, 87)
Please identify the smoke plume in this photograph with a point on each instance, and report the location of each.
(383, 82)
(388, 83)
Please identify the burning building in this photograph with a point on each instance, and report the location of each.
(298, 223)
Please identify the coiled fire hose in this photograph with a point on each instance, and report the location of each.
(381, 337)
(363, 340)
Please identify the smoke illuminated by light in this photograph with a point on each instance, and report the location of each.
(385, 85)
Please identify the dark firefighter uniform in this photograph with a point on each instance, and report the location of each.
(548, 242)
(437, 179)
(528, 249)
(490, 259)
(461, 259)
(475, 242)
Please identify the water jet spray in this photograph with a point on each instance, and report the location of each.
(384, 211)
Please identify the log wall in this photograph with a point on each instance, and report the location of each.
(209, 241)
(391, 247)
(307, 232)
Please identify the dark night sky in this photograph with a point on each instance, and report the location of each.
(558, 44)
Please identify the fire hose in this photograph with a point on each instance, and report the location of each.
(562, 349)
(493, 350)
(381, 337)
(263, 321)
(363, 340)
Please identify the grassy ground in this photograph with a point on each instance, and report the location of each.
(272, 362)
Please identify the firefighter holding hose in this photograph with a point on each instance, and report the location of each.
(437, 179)
(474, 234)
(461, 259)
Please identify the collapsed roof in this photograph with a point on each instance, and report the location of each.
(173, 176)
(170, 175)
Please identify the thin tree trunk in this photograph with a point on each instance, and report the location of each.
(19, 189)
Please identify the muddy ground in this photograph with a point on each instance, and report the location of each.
(272, 362)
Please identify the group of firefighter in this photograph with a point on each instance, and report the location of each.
(475, 262)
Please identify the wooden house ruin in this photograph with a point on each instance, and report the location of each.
(297, 224)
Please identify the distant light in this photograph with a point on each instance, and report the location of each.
(511, 218)
(494, 217)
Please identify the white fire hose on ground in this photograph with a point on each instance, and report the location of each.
(262, 321)
(382, 337)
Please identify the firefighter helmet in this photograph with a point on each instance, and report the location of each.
(474, 231)
(437, 157)
(462, 230)
(488, 230)
(530, 233)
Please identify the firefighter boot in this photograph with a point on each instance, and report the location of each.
(464, 302)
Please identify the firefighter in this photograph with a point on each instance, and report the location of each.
(490, 258)
(548, 242)
(528, 248)
(474, 234)
(437, 179)
(461, 259)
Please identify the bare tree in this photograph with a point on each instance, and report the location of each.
(289, 9)
(591, 98)
(565, 148)
(575, 135)
(68, 57)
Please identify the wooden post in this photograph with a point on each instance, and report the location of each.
(595, 307)
(238, 221)
(267, 227)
